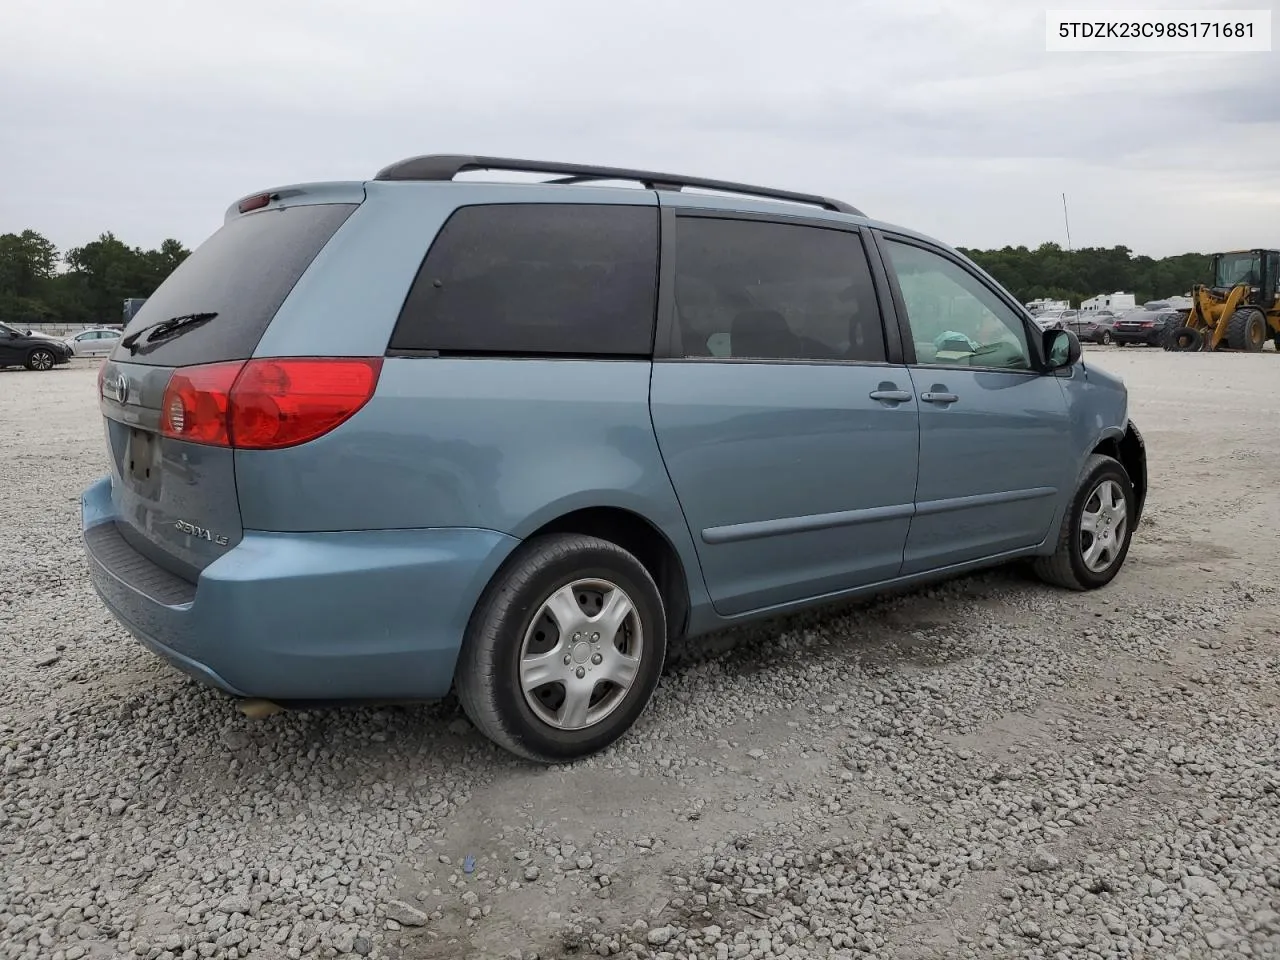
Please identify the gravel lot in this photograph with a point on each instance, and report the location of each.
(987, 769)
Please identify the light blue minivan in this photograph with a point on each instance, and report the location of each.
(383, 440)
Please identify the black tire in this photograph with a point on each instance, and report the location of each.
(1185, 340)
(1105, 338)
(488, 680)
(1067, 566)
(1247, 330)
(41, 359)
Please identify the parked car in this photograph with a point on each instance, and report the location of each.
(95, 342)
(1050, 320)
(1147, 327)
(575, 424)
(35, 351)
(1094, 327)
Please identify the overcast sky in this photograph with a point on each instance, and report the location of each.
(147, 117)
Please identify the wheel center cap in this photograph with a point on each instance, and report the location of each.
(581, 652)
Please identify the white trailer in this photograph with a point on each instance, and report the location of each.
(1115, 302)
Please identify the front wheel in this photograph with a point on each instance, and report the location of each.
(1096, 532)
(41, 360)
(1106, 338)
(1185, 339)
(564, 649)
(1247, 330)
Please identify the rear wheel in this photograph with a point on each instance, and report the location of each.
(564, 649)
(1247, 330)
(1096, 532)
(41, 359)
(1105, 339)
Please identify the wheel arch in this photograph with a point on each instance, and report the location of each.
(1129, 449)
(645, 540)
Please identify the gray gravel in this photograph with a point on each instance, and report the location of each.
(984, 769)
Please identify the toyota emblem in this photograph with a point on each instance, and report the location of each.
(117, 388)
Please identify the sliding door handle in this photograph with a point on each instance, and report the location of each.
(891, 396)
(939, 397)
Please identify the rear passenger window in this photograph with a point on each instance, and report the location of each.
(771, 291)
(537, 279)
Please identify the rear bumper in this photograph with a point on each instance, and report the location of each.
(304, 616)
(1150, 337)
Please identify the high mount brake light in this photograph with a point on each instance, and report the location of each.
(254, 203)
(266, 404)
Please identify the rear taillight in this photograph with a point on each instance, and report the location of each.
(281, 403)
(266, 404)
(196, 403)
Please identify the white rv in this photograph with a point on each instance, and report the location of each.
(1117, 303)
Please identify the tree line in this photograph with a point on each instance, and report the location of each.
(89, 284)
(1076, 275)
(83, 285)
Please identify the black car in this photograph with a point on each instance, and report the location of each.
(31, 350)
(1145, 326)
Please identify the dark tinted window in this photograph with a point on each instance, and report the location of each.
(759, 290)
(537, 279)
(242, 273)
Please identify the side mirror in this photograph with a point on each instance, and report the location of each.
(27, 334)
(1062, 347)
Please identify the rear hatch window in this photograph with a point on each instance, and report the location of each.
(231, 287)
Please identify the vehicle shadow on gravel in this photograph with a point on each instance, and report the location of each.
(905, 631)
(883, 629)
(366, 742)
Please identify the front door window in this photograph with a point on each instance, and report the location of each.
(954, 319)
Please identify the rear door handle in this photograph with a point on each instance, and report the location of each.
(939, 397)
(891, 396)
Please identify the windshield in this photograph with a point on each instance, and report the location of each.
(5, 328)
(1237, 268)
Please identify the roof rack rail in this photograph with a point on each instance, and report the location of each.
(448, 166)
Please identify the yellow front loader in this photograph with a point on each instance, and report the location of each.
(1240, 310)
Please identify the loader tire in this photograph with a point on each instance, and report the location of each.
(1247, 330)
(1185, 340)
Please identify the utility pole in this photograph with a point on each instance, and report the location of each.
(1067, 221)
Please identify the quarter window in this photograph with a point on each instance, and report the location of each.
(750, 289)
(955, 319)
(537, 279)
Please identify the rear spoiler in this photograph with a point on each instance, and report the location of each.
(277, 198)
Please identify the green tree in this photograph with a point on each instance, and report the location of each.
(106, 272)
(27, 265)
(1076, 275)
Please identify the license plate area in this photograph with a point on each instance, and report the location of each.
(141, 470)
